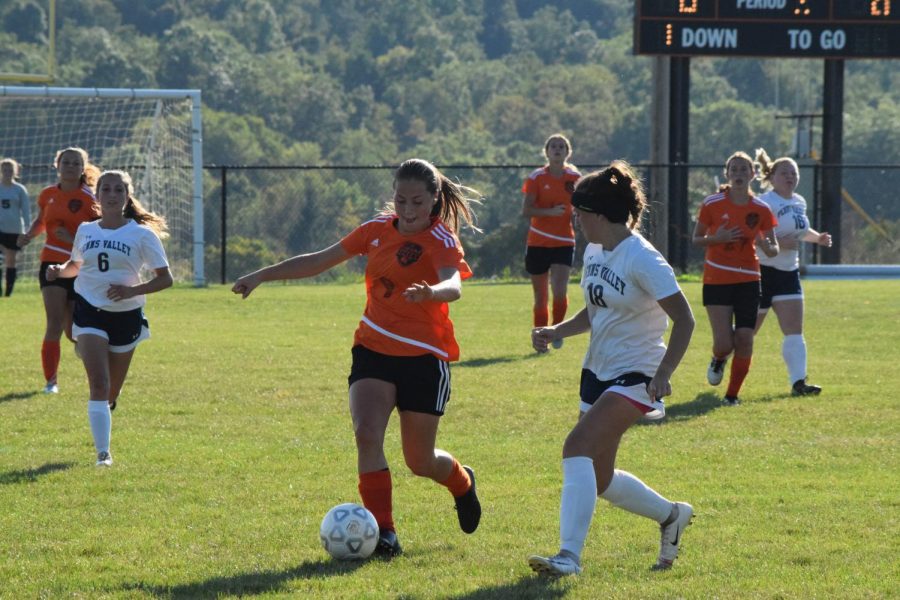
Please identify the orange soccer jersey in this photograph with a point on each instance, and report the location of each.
(734, 262)
(391, 324)
(551, 232)
(67, 210)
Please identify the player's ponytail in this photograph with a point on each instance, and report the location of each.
(90, 172)
(614, 192)
(133, 208)
(454, 200)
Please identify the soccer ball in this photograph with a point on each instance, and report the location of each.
(349, 532)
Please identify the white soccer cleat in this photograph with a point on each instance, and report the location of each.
(554, 566)
(557, 344)
(104, 459)
(51, 388)
(670, 535)
(715, 371)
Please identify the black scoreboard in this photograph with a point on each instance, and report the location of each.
(782, 28)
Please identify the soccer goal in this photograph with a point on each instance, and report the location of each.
(156, 135)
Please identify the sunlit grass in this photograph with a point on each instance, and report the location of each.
(232, 439)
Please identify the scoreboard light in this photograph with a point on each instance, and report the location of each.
(782, 28)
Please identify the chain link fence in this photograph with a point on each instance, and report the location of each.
(257, 215)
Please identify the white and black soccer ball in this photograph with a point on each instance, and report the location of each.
(349, 532)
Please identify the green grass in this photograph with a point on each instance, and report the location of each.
(232, 439)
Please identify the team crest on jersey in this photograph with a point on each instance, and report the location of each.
(75, 205)
(570, 186)
(752, 220)
(409, 253)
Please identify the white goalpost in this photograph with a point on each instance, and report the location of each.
(155, 135)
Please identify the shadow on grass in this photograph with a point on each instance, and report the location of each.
(17, 396)
(28, 475)
(528, 587)
(261, 582)
(699, 406)
(484, 362)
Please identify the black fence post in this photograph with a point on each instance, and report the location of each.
(224, 223)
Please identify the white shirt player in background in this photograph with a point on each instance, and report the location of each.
(107, 257)
(629, 292)
(15, 213)
(780, 275)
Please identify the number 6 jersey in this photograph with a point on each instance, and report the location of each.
(114, 256)
(621, 289)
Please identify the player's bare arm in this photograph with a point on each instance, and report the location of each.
(679, 312)
(298, 267)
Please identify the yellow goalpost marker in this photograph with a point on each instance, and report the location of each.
(47, 77)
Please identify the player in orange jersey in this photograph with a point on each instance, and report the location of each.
(61, 209)
(404, 344)
(551, 237)
(731, 224)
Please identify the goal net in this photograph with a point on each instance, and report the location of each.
(155, 135)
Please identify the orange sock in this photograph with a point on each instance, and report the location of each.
(458, 482)
(50, 359)
(560, 306)
(540, 316)
(375, 490)
(740, 366)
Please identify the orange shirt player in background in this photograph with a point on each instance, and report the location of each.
(404, 344)
(551, 236)
(730, 225)
(61, 209)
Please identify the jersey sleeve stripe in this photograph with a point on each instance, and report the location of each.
(441, 234)
(405, 340)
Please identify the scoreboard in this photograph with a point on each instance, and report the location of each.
(774, 28)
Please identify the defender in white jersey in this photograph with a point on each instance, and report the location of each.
(780, 275)
(15, 212)
(108, 323)
(629, 292)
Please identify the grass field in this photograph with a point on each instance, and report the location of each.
(232, 439)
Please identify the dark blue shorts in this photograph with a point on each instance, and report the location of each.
(123, 330)
(9, 240)
(422, 382)
(778, 285)
(538, 258)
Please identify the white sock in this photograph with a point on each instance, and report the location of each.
(579, 496)
(793, 349)
(101, 423)
(630, 493)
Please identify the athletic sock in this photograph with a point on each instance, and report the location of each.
(50, 359)
(10, 279)
(740, 366)
(579, 496)
(101, 423)
(560, 306)
(458, 481)
(375, 490)
(541, 316)
(630, 493)
(793, 349)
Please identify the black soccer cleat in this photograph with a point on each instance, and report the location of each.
(388, 545)
(468, 508)
(731, 401)
(801, 388)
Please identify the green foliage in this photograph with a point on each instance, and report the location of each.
(244, 256)
(453, 81)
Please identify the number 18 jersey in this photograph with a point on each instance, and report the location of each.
(621, 291)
